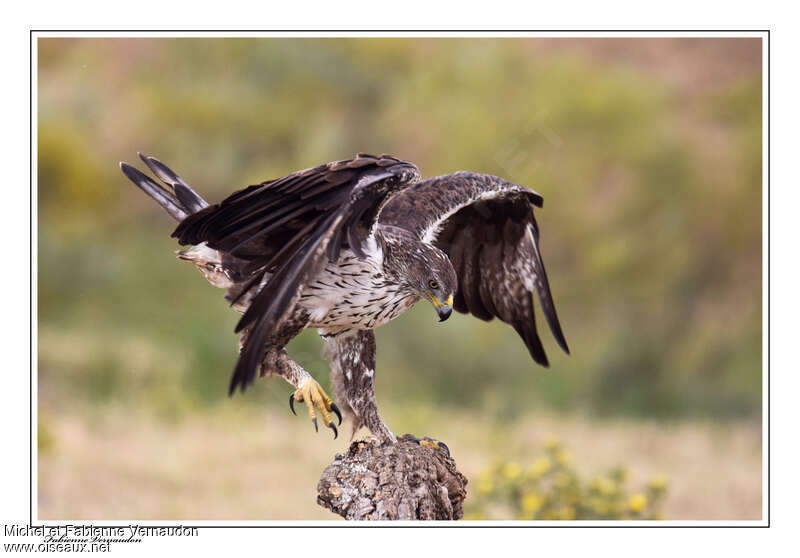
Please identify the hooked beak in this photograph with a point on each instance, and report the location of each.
(443, 309)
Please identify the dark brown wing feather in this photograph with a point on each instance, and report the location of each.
(487, 228)
(287, 227)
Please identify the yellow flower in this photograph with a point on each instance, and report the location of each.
(658, 483)
(599, 506)
(571, 497)
(637, 502)
(485, 484)
(540, 467)
(512, 470)
(551, 443)
(563, 457)
(567, 513)
(604, 486)
(562, 480)
(532, 502)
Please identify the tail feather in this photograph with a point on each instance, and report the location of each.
(183, 191)
(165, 198)
(178, 199)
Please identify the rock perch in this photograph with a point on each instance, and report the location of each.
(404, 480)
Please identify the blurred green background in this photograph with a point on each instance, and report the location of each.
(647, 153)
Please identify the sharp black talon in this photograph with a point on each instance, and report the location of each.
(291, 403)
(335, 432)
(314, 420)
(335, 409)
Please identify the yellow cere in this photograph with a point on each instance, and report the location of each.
(437, 304)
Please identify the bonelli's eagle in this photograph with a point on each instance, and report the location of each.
(349, 246)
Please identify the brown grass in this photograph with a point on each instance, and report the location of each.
(239, 463)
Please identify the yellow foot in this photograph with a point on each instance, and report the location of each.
(429, 442)
(314, 396)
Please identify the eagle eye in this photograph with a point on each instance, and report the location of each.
(433, 284)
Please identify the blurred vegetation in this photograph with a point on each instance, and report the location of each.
(651, 227)
(551, 489)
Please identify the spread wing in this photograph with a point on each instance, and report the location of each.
(285, 229)
(487, 228)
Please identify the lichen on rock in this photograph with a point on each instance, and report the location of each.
(401, 481)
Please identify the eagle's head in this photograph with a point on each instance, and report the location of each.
(432, 277)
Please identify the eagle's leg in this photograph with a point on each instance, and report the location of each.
(276, 362)
(352, 358)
